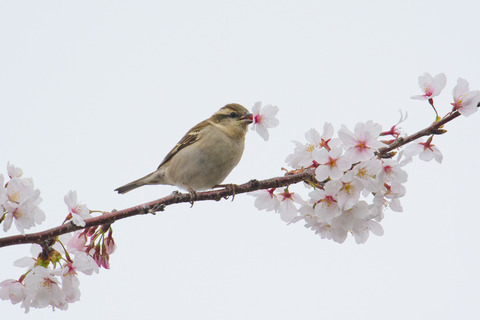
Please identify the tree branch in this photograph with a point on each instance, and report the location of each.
(159, 205)
(434, 128)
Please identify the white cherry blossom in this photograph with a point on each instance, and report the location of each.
(303, 153)
(465, 101)
(287, 207)
(79, 212)
(266, 199)
(426, 151)
(12, 290)
(331, 163)
(264, 118)
(431, 86)
(363, 142)
(43, 289)
(21, 205)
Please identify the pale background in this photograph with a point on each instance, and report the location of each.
(93, 94)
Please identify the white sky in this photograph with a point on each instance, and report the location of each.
(93, 94)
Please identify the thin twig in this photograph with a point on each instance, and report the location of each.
(435, 128)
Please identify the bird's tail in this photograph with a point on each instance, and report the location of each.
(135, 184)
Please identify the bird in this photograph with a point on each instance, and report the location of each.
(205, 156)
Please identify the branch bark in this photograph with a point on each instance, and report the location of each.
(434, 128)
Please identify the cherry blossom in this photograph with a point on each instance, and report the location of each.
(331, 163)
(83, 263)
(287, 208)
(77, 241)
(326, 202)
(348, 182)
(264, 118)
(41, 286)
(363, 142)
(465, 101)
(426, 151)
(365, 172)
(284, 202)
(70, 282)
(349, 194)
(12, 290)
(266, 199)
(331, 231)
(390, 172)
(77, 212)
(431, 86)
(303, 153)
(389, 196)
(362, 228)
(43, 289)
(14, 172)
(70, 287)
(21, 203)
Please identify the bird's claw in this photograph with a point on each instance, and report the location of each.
(193, 196)
(230, 187)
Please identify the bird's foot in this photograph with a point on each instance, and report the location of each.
(230, 187)
(193, 196)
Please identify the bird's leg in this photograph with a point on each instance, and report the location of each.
(193, 195)
(230, 187)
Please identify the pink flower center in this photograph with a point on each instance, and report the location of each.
(361, 145)
(328, 200)
(388, 169)
(458, 103)
(427, 145)
(348, 188)
(47, 283)
(257, 118)
(428, 91)
(331, 162)
(286, 195)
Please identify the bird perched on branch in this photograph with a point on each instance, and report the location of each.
(205, 155)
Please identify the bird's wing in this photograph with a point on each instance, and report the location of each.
(191, 137)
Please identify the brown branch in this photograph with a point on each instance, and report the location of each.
(434, 128)
(159, 205)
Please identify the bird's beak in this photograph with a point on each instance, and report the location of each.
(247, 118)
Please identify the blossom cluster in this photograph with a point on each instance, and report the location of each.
(347, 173)
(51, 278)
(355, 181)
(19, 201)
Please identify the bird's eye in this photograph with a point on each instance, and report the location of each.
(233, 115)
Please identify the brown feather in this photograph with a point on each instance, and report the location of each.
(188, 139)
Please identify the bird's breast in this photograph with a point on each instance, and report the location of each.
(205, 163)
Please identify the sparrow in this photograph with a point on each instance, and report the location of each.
(205, 156)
